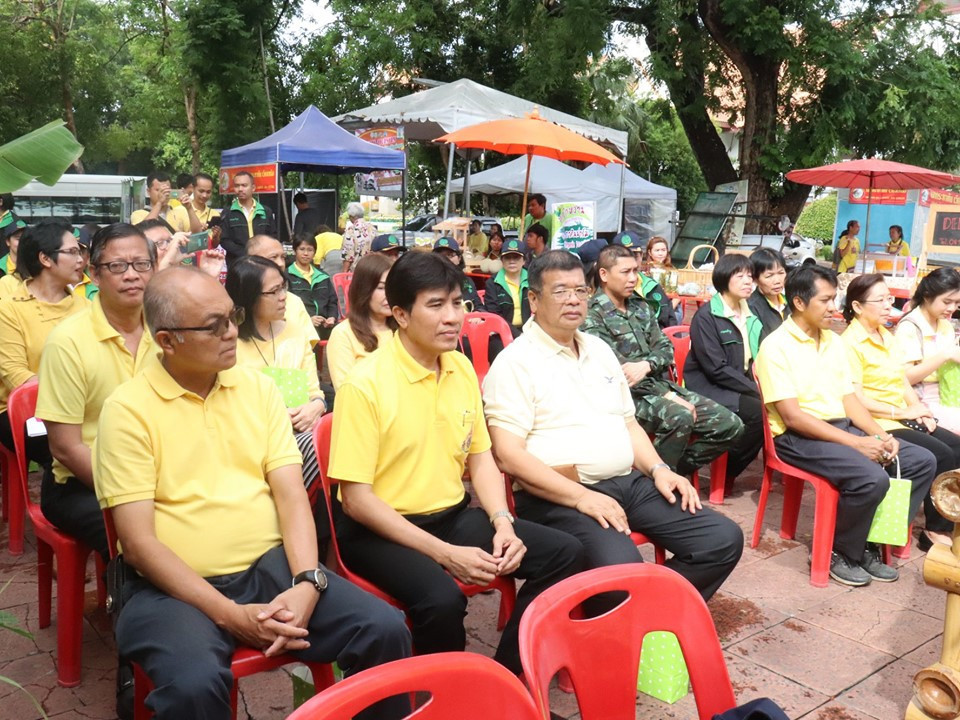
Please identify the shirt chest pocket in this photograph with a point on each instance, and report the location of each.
(602, 391)
(457, 428)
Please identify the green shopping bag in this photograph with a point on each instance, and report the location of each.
(891, 522)
(948, 377)
(292, 383)
(663, 673)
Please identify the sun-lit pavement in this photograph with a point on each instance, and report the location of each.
(824, 654)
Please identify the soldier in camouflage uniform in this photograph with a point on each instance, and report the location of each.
(689, 430)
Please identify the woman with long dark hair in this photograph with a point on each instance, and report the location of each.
(366, 323)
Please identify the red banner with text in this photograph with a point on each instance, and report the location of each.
(877, 196)
(264, 178)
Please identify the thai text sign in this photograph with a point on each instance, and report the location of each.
(574, 224)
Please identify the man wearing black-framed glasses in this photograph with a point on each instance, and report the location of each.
(197, 464)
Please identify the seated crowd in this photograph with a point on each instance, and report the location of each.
(186, 407)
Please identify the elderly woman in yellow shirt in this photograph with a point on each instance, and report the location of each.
(881, 384)
(50, 257)
(366, 324)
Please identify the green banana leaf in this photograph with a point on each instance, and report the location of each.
(43, 154)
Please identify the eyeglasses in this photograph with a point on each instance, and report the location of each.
(119, 267)
(582, 293)
(888, 300)
(278, 292)
(218, 328)
(75, 251)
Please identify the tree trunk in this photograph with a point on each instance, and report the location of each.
(190, 105)
(67, 94)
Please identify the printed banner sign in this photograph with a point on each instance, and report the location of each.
(264, 176)
(574, 224)
(941, 197)
(877, 196)
(381, 182)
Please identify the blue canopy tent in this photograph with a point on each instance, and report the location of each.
(311, 142)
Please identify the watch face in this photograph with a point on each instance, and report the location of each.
(320, 579)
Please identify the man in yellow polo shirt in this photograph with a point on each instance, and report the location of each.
(820, 426)
(408, 419)
(196, 462)
(158, 191)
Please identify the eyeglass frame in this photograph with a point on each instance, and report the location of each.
(281, 291)
(887, 300)
(126, 266)
(561, 295)
(77, 252)
(236, 317)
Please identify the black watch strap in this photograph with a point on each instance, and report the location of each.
(314, 576)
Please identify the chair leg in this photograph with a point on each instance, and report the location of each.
(71, 567)
(101, 569)
(824, 527)
(761, 505)
(5, 482)
(718, 479)
(322, 676)
(44, 581)
(792, 495)
(508, 599)
(141, 688)
(233, 697)
(17, 510)
(695, 481)
(903, 552)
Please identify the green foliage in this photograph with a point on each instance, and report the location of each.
(43, 154)
(818, 219)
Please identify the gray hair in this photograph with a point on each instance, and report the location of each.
(561, 260)
(355, 210)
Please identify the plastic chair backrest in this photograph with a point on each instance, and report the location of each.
(769, 449)
(477, 329)
(21, 406)
(680, 337)
(465, 686)
(602, 653)
(341, 286)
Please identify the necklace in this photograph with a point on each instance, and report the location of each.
(272, 343)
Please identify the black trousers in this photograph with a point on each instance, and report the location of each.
(435, 605)
(38, 450)
(72, 507)
(187, 656)
(862, 482)
(745, 450)
(706, 547)
(945, 446)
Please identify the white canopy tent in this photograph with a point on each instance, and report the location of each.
(649, 208)
(428, 114)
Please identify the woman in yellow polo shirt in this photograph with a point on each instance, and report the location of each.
(50, 257)
(365, 326)
(280, 349)
(880, 381)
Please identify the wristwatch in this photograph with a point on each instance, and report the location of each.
(502, 513)
(315, 576)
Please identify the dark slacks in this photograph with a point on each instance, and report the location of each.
(72, 507)
(38, 450)
(945, 446)
(187, 656)
(745, 450)
(862, 483)
(705, 546)
(435, 605)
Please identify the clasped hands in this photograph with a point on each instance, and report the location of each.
(277, 626)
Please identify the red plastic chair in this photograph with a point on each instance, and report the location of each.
(341, 286)
(71, 554)
(246, 661)
(477, 329)
(465, 686)
(13, 510)
(602, 653)
(322, 432)
(680, 337)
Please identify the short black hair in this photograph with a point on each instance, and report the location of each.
(205, 176)
(939, 282)
(45, 237)
(540, 230)
(764, 259)
(115, 231)
(159, 176)
(898, 228)
(539, 197)
(151, 223)
(185, 180)
(802, 282)
(300, 197)
(415, 272)
(253, 180)
(857, 290)
(301, 238)
(851, 223)
(244, 285)
(727, 266)
(551, 260)
(6, 201)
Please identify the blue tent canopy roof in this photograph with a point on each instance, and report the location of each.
(314, 143)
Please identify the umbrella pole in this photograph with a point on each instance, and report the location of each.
(403, 207)
(620, 203)
(526, 188)
(866, 233)
(452, 149)
(466, 187)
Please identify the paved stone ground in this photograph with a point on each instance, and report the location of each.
(824, 654)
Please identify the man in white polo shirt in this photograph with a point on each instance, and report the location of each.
(562, 423)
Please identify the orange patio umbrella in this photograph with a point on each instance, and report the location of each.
(530, 135)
